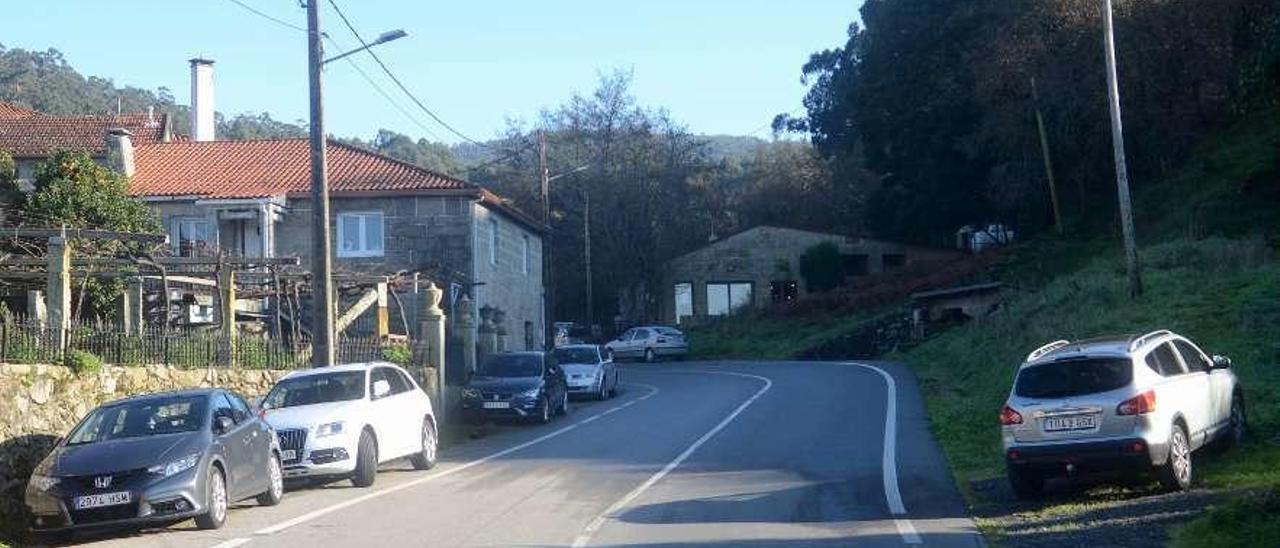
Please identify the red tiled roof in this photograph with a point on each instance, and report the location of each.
(278, 167)
(10, 109)
(39, 135)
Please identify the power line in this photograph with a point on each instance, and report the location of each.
(267, 16)
(397, 81)
(351, 62)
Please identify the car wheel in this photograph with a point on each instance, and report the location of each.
(564, 404)
(1175, 475)
(275, 493)
(1236, 429)
(1026, 484)
(215, 515)
(544, 411)
(426, 458)
(603, 392)
(649, 356)
(366, 461)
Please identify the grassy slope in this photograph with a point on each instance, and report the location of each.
(1222, 293)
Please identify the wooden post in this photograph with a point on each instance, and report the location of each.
(384, 314)
(59, 289)
(1048, 159)
(227, 312)
(431, 333)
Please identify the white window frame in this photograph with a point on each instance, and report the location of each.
(493, 242)
(175, 227)
(524, 255)
(361, 217)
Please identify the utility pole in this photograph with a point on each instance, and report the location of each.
(1122, 170)
(548, 291)
(322, 310)
(586, 258)
(1048, 160)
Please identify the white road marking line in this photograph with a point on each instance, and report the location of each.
(592, 528)
(653, 390)
(889, 460)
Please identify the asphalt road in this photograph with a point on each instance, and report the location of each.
(689, 454)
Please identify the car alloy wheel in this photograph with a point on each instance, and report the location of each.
(275, 493)
(426, 457)
(648, 355)
(1237, 421)
(1178, 469)
(216, 501)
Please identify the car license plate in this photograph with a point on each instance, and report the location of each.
(104, 499)
(288, 454)
(1078, 422)
(497, 405)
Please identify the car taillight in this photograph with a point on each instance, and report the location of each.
(1138, 405)
(1008, 416)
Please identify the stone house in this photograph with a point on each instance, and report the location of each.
(761, 265)
(252, 198)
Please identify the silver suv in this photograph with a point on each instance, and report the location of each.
(1116, 405)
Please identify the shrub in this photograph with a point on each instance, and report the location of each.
(822, 267)
(82, 362)
(398, 354)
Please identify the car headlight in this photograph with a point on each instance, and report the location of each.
(181, 465)
(531, 393)
(329, 429)
(470, 393)
(43, 483)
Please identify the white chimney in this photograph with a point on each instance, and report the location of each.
(202, 122)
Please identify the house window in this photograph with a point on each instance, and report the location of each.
(726, 298)
(493, 242)
(360, 234)
(684, 301)
(190, 235)
(855, 265)
(893, 261)
(524, 255)
(783, 291)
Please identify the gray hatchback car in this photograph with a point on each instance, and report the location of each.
(1118, 405)
(156, 459)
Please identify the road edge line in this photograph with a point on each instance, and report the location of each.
(889, 458)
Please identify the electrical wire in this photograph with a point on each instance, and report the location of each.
(368, 49)
(267, 16)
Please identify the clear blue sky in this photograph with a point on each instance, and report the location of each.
(720, 66)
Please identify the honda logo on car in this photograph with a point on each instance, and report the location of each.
(102, 482)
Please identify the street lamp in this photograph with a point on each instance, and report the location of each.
(322, 304)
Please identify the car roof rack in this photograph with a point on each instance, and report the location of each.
(1040, 352)
(1138, 342)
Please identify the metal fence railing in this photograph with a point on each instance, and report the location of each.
(29, 342)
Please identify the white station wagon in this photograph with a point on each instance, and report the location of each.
(342, 421)
(1115, 405)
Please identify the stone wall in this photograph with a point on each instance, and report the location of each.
(511, 276)
(39, 403)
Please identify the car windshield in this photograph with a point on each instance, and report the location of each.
(511, 365)
(313, 389)
(149, 417)
(577, 355)
(1074, 377)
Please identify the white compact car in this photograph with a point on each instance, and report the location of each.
(649, 343)
(588, 372)
(342, 421)
(1118, 405)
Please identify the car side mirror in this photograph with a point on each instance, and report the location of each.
(381, 388)
(1221, 362)
(222, 425)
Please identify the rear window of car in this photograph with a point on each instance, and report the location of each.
(1075, 377)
